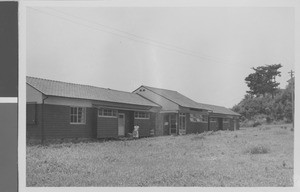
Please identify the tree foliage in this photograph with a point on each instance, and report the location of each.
(278, 108)
(263, 81)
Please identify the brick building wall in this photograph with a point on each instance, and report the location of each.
(227, 126)
(107, 127)
(213, 125)
(57, 122)
(195, 127)
(159, 128)
(146, 125)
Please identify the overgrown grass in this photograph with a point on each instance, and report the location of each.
(215, 159)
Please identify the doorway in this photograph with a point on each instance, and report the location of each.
(173, 124)
(121, 124)
(182, 124)
(220, 123)
(234, 124)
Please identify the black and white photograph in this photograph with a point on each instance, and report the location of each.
(160, 96)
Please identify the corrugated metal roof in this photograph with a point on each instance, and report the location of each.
(71, 90)
(220, 109)
(178, 98)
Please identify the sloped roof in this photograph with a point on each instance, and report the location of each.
(177, 97)
(220, 109)
(71, 90)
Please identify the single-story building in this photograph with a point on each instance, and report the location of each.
(58, 109)
(65, 110)
(181, 115)
(222, 118)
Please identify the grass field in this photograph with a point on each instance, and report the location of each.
(250, 157)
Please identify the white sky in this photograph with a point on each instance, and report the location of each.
(204, 53)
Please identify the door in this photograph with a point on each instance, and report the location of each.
(121, 124)
(220, 124)
(234, 124)
(166, 124)
(173, 124)
(182, 124)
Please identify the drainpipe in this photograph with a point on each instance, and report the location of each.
(42, 123)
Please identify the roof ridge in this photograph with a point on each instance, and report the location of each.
(173, 91)
(160, 88)
(218, 106)
(213, 105)
(79, 84)
(172, 100)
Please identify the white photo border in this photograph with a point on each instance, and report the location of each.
(143, 3)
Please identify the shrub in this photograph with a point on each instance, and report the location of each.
(259, 149)
(256, 123)
(247, 123)
(252, 123)
(269, 120)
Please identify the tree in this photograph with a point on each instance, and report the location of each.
(288, 101)
(263, 81)
(271, 107)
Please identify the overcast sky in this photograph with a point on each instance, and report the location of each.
(203, 53)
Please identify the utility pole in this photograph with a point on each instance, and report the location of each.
(293, 87)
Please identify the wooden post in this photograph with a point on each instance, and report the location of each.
(293, 87)
(42, 128)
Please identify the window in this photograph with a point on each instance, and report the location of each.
(194, 117)
(225, 120)
(107, 113)
(141, 115)
(213, 119)
(198, 118)
(77, 115)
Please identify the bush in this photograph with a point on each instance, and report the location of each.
(259, 149)
(269, 120)
(247, 123)
(256, 123)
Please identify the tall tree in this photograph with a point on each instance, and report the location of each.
(263, 80)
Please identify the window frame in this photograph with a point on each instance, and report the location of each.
(204, 118)
(226, 120)
(83, 115)
(114, 113)
(198, 118)
(147, 115)
(182, 116)
(210, 119)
